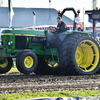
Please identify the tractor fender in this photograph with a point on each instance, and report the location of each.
(54, 39)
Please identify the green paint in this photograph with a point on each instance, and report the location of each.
(38, 52)
(3, 52)
(37, 48)
(29, 32)
(8, 38)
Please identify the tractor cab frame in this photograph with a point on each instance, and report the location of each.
(75, 14)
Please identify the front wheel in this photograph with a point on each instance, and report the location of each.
(5, 65)
(27, 62)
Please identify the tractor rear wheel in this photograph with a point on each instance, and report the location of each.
(5, 64)
(79, 54)
(26, 62)
(47, 68)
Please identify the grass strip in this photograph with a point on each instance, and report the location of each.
(82, 93)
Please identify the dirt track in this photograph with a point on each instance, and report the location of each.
(25, 83)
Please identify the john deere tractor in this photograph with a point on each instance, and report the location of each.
(46, 52)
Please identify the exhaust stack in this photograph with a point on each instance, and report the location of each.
(34, 20)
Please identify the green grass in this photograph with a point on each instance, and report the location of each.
(82, 93)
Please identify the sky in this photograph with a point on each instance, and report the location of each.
(58, 5)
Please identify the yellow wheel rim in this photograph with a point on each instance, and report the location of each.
(28, 62)
(4, 64)
(52, 64)
(87, 55)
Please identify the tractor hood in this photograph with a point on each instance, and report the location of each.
(24, 32)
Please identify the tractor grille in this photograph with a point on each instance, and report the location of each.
(20, 42)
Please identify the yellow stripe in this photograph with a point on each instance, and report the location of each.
(27, 35)
(17, 34)
(7, 34)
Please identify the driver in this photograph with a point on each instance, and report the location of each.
(61, 27)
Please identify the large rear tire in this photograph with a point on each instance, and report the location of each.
(47, 68)
(79, 54)
(6, 65)
(26, 62)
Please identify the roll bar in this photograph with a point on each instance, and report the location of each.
(75, 15)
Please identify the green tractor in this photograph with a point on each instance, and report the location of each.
(43, 52)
